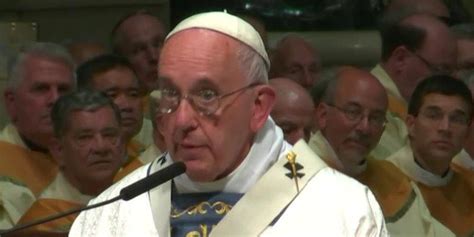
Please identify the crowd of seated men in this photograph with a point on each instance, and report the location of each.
(83, 118)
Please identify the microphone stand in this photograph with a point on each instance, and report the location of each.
(57, 216)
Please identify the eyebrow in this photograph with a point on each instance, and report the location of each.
(200, 83)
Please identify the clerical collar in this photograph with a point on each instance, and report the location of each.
(267, 148)
(327, 153)
(426, 177)
(32, 146)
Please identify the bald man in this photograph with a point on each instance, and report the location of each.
(139, 38)
(293, 109)
(414, 46)
(351, 117)
(296, 59)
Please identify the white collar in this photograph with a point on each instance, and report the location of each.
(464, 160)
(322, 147)
(405, 160)
(267, 148)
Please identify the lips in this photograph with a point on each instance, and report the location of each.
(443, 144)
(128, 121)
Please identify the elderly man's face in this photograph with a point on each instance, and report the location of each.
(203, 63)
(440, 128)
(301, 65)
(30, 104)
(354, 123)
(140, 39)
(90, 151)
(121, 85)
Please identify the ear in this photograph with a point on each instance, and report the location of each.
(263, 105)
(410, 122)
(9, 99)
(321, 113)
(399, 57)
(56, 150)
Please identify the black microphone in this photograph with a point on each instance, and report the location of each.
(127, 193)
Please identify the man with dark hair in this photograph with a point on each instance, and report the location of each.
(114, 76)
(38, 75)
(414, 45)
(439, 115)
(139, 37)
(214, 105)
(88, 148)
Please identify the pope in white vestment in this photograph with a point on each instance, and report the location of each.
(331, 204)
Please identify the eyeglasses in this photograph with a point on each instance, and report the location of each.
(435, 69)
(355, 115)
(204, 101)
(457, 119)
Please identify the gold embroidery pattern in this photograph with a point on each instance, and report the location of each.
(219, 208)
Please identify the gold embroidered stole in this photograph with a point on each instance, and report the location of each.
(391, 187)
(452, 204)
(47, 207)
(397, 106)
(34, 169)
(134, 149)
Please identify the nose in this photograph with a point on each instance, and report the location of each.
(185, 117)
(54, 94)
(363, 125)
(152, 54)
(101, 145)
(443, 125)
(307, 78)
(124, 103)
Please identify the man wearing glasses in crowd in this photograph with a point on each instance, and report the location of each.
(414, 46)
(351, 118)
(438, 120)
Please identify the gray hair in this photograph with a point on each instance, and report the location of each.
(51, 51)
(253, 65)
(82, 100)
(323, 90)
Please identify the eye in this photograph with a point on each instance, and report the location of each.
(207, 95)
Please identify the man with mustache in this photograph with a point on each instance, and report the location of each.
(439, 115)
(242, 178)
(351, 117)
(114, 76)
(38, 75)
(88, 149)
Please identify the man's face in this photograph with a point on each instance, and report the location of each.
(351, 138)
(301, 65)
(121, 85)
(30, 104)
(436, 56)
(90, 149)
(440, 128)
(140, 40)
(201, 63)
(295, 120)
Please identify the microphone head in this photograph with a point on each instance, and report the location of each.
(153, 180)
